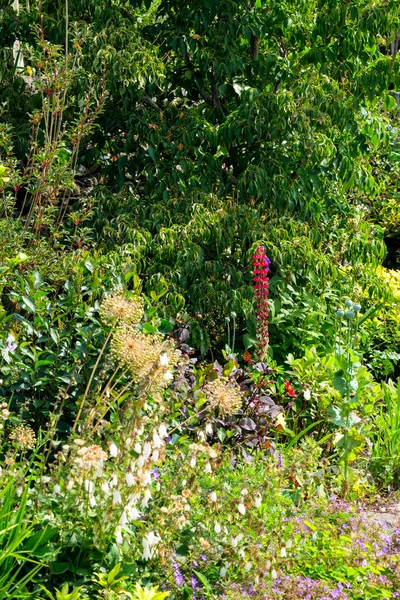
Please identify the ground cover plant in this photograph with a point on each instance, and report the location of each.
(199, 300)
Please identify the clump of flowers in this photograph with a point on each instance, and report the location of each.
(90, 457)
(24, 437)
(4, 413)
(261, 264)
(149, 358)
(224, 395)
(117, 308)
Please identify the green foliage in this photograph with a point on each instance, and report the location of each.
(18, 544)
(149, 147)
(385, 455)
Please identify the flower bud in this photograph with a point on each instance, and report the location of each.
(348, 303)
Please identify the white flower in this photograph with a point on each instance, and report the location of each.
(130, 480)
(105, 488)
(146, 498)
(140, 461)
(274, 574)
(257, 501)
(57, 489)
(241, 508)
(157, 441)
(89, 486)
(146, 450)
(283, 553)
(138, 448)
(92, 501)
(145, 477)
(123, 519)
(113, 450)
(114, 480)
(307, 394)
(213, 496)
(128, 442)
(118, 535)
(289, 544)
(162, 431)
(217, 527)
(209, 429)
(149, 542)
(168, 376)
(193, 462)
(164, 360)
(117, 497)
(247, 566)
(207, 468)
(155, 456)
(222, 572)
(132, 513)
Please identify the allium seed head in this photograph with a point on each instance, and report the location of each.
(24, 437)
(224, 395)
(140, 354)
(116, 308)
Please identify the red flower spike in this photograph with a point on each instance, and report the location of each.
(261, 264)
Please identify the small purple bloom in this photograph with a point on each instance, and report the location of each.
(155, 473)
(179, 579)
(11, 344)
(194, 583)
(280, 460)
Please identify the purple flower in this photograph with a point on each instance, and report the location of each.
(11, 344)
(194, 583)
(280, 460)
(155, 473)
(179, 579)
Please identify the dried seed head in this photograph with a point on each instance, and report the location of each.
(116, 308)
(90, 457)
(224, 395)
(149, 358)
(24, 437)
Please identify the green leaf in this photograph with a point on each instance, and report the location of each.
(204, 581)
(249, 341)
(29, 304)
(339, 383)
(60, 567)
(113, 573)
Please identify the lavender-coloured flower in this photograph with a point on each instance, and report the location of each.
(155, 473)
(11, 344)
(179, 578)
(194, 583)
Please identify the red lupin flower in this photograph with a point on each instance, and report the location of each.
(261, 264)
